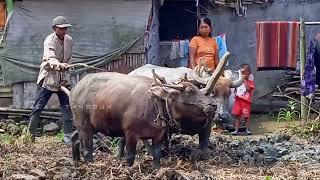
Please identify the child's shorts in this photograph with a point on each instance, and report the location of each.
(241, 108)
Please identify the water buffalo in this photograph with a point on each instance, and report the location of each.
(220, 93)
(119, 105)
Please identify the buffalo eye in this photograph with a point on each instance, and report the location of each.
(189, 91)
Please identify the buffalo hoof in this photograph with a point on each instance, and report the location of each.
(120, 156)
(205, 154)
(165, 153)
(149, 152)
(199, 155)
(156, 167)
(76, 151)
(88, 158)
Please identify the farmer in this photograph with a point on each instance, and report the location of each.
(203, 46)
(56, 58)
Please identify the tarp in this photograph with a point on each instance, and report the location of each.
(102, 31)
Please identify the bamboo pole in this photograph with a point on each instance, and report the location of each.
(304, 99)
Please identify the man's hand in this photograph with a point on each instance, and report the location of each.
(63, 83)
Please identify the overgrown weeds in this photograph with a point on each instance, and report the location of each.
(24, 138)
(307, 129)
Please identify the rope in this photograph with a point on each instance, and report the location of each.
(172, 122)
(72, 66)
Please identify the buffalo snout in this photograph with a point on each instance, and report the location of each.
(223, 115)
(209, 109)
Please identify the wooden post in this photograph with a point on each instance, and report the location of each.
(304, 99)
(198, 13)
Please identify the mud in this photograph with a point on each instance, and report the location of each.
(280, 156)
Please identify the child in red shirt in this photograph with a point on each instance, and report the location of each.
(242, 103)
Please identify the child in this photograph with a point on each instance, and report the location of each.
(242, 104)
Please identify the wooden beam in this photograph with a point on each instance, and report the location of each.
(304, 100)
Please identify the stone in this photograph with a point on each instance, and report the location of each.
(24, 177)
(52, 127)
(74, 175)
(66, 173)
(3, 125)
(9, 121)
(13, 129)
(37, 172)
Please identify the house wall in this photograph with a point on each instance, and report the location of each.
(241, 36)
(153, 41)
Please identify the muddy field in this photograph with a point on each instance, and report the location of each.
(276, 156)
(268, 154)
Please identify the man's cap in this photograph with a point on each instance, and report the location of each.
(60, 22)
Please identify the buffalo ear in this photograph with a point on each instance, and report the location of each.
(163, 92)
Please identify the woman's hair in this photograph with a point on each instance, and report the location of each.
(207, 21)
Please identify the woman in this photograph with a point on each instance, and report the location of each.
(203, 46)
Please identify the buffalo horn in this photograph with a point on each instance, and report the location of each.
(216, 74)
(178, 87)
(238, 82)
(156, 76)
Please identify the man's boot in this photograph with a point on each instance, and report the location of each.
(34, 123)
(67, 124)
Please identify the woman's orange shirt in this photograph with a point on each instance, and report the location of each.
(207, 48)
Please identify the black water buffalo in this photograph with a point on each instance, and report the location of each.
(118, 105)
(219, 91)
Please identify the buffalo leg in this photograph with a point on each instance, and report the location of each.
(148, 146)
(156, 147)
(204, 138)
(167, 143)
(131, 144)
(87, 140)
(122, 144)
(75, 146)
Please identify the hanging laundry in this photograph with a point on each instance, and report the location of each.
(175, 48)
(277, 43)
(308, 83)
(181, 48)
(186, 48)
(317, 58)
(222, 45)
